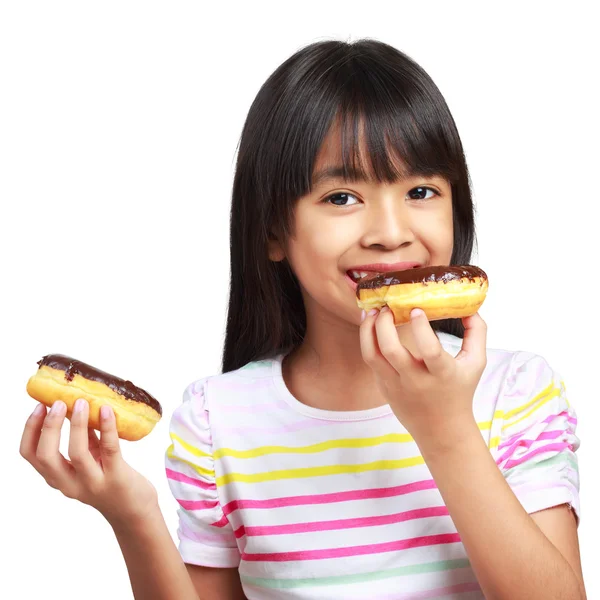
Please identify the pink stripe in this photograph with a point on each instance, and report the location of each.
(428, 540)
(459, 588)
(176, 476)
(548, 419)
(199, 536)
(197, 504)
(546, 435)
(281, 429)
(251, 387)
(252, 409)
(222, 522)
(548, 448)
(200, 435)
(241, 385)
(197, 388)
(420, 513)
(529, 488)
(399, 490)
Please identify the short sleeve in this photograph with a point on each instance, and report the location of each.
(537, 446)
(205, 535)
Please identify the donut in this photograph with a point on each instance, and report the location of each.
(61, 377)
(442, 292)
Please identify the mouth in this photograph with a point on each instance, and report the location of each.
(356, 275)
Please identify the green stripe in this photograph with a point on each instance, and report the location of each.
(443, 565)
(548, 462)
(257, 364)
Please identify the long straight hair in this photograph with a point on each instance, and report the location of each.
(402, 112)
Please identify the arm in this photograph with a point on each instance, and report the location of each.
(157, 571)
(432, 394)
(485, 511)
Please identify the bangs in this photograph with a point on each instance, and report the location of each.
(385, 117)
(387, 142)
(387, 134)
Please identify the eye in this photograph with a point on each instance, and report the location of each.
(340, 199)
(419, 191)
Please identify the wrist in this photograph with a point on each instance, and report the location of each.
(453, 436)
(136, 522)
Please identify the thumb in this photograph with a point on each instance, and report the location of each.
(474, 340)
(110, 451)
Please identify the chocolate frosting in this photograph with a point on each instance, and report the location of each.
(73, 367)
(424, 275)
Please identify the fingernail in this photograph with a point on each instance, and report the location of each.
(415, 312)
(385, 309)
(79, 405)
(58, 407)
(105, 412)
(39, 410)
(363, 316)
(372, 312)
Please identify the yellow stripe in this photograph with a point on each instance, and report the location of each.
(199, 470)
(553, 394)
(191, 449)
(399, 438)
(494, 442)
(488, 424)
(320, 447)
(564, 389)
(516, 411)
(319, 471)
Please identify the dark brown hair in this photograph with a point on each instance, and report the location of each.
(402, 112)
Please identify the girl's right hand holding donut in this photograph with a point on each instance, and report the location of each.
(96, 473)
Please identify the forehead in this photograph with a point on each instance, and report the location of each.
(330, 165)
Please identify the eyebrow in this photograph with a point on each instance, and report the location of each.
(337, 172)
(334, 173)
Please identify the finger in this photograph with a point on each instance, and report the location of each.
(79, 448)
(370, 348)
(395, 354)
(94, 444)
(31, 434)
(56, 470)
(436, 359)
(110, 451)
(474, 340)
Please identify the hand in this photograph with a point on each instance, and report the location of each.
(425, 394)
(96, 474)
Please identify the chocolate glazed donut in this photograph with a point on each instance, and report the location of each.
(442, 292)
(61, 377)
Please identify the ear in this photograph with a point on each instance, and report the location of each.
(276, 250)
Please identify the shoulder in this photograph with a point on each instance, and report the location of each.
(500, 362)
(208, 393)
(510, 365)
(512, 378)
(215, 400)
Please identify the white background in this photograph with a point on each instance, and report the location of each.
(118, 129)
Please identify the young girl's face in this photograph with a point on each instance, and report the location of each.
(341, 226)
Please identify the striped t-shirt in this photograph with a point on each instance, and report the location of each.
(316, 504)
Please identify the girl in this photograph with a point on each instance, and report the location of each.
(338, 456)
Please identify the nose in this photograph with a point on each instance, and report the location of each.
(387, 224)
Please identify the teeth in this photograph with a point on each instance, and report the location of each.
(358, 275)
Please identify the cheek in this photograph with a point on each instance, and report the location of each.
(315, 251)
(440, 234)
(319, 239)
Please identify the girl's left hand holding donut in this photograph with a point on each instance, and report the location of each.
(432, 395)
(96, 473)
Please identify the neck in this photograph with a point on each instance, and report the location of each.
(328, 371)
